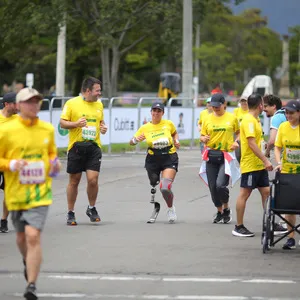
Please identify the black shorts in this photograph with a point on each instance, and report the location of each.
(84, 156)
(158, 163)
(255, 179)
(1, 181)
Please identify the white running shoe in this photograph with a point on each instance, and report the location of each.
(171, 214)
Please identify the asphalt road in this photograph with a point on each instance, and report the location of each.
(123, 257)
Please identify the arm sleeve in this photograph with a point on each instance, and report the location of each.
(203, 128)
(249, 128)
(139, 132)
(275, 121)
(172, 128)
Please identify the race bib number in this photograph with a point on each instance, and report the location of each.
(33, 173)
(293, 156)
(89, 133)
(160, 143)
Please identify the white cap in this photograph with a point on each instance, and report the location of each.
(26, 94)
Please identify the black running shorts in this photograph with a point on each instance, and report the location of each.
(84, 156)
(255, 179)
(158, 163)
(1, 181)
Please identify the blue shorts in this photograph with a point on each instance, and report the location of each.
(255, 179)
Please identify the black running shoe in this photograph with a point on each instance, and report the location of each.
(93, 214)
(227, 215)
(241, 230)
(25, 270)
(218, 218)
(290, 244)
(3, 226)
(279, 229)
(30, 292)
(71, 219)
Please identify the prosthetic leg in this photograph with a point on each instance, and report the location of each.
(156, 208)
(154, 178)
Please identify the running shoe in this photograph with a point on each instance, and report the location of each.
(227, 215)
(71, 218)
(171, 213)
(3, 226)
(279, 229)
(218, 218)
(93, 214)
(242, 231)
(290, 244)
(30, 292)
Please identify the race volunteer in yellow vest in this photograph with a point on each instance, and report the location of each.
(162, 160)
(217, 133)
(8, 113)
(288, 139)
(83, 116)
(28, 158)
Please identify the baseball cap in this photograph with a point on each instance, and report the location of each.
(28, 93)
(208, 100)
(9, 98)
(217, 100)
(292, 105)
(158, 105)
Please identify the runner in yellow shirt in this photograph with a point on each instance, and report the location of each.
(28, 158)
(83, 116)
(162, 160)
(288, 139)
(203, 114)
(8, 113)
(217, 133)
(254, 165)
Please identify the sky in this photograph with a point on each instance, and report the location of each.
(281, 14)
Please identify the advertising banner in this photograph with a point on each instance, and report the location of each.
(123, 124)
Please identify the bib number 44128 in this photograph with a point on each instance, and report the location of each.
(33, 173)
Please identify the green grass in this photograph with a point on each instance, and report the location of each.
(124, 147)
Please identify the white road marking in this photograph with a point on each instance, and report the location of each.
(153, 297)
(106, 277)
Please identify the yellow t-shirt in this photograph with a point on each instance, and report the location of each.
(77, 108)
(34, 143)
(221, 130)
(250, 127)
(240, 113)
(203, 114)
(4, 119)
(159, 135)
(288, 138)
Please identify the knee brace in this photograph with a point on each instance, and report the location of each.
(153, 177)
(165, 188)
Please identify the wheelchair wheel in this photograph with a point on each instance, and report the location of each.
(266, 227)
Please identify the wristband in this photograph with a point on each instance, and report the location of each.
(134, 140)
(279, 163)
(12, 165)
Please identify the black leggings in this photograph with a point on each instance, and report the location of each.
(217, 183)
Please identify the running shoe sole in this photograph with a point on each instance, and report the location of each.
(235, 233)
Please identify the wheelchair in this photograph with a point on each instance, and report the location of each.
(284, 199)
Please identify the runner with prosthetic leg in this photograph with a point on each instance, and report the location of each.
(162, 160)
